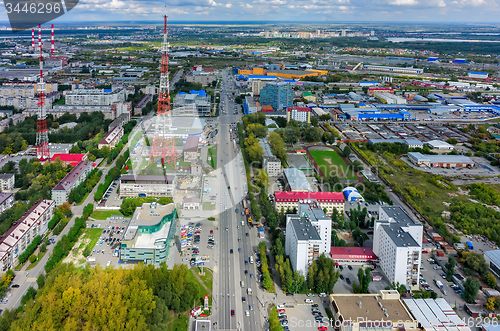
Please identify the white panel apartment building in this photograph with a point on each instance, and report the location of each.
(7, 182)
(397, 242)
(33, 223)
(308, 235)
(77, 175)
(270, 163)
(85, 97)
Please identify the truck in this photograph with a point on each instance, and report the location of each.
(439, 284)
(469, 244)
(245, 204)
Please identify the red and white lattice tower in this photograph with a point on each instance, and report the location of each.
(33, 39)
(163, 143)
(42, 138)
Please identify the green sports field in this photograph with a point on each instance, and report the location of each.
(331, 163)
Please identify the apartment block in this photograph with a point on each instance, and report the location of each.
(112, 138)
(300, 114)
(77, 175)
(7, 182)
(88, 97)
(33, 223)
(328, 200)
(397, 241)
(6, 201)
(308, 235)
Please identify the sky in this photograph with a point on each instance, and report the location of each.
(317, 11)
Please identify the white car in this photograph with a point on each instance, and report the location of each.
(308, 301)
(281, 307)
(247, 313)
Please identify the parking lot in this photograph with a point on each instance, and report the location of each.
(105, 251)
(111, 197)
(300, 315)
(194, 242)
(343, 286)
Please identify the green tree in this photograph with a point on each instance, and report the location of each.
(314, 121)
(490, 280)
(450, 268)
(346, 151)
(471, 289)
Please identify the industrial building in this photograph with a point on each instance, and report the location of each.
(112, 138)
(97, 97)
(270, 163)
(278, 95)
(190, 151)
(7, 182)
(435, 314)
(373, 311)
(33, 223)
(492, 258)
(300, 114)
(397, 241)
(408, 70)
(147, 237)
(196, 103)
(151, 186)
(296, 181)
(480, 75)
(328, 200)
(440, 161)
(77, 175)
(308, 235)
(297, 74)
(440, 145)
(390, 98)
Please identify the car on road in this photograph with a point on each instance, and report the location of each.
(341, 276)
(350, 268)
(280, 307)
(231, 251)
(247, 313)
(250, 306)
(251, 275)
(243, 299)
(315, 305)
(281, 311)
(310, 294)
(246, 262)
(15, 286)
(348, 281)
(232, 312)
(308, 301)
(211, 231)
(246, 271)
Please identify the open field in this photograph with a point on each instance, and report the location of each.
(331, 164)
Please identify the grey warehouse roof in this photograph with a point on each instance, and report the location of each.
(440, 158)
(494, 256)
(296, 179)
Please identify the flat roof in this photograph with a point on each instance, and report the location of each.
(399, 237)
(296, 179)
(349, 307)
(303, 228)
(494, 256)
(191, 144)
(351, 253)
(441, 158)
(438, 143)
(147, 179)
(320, 196)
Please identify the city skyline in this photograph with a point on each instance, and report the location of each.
(317, 11)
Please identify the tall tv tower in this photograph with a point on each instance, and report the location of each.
(163, 145)
(42, 137)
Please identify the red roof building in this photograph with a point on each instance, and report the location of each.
(300, 114)
(328, 200)
(358, 256)
(71, 159)
(267, 108)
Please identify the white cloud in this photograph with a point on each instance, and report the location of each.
(403, 2)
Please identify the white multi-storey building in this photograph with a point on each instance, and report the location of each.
(308, 235)
(33, 223)
(84, 97)
(7, 182)
(151, 186)
(270, 163)
(397, 241)
(300, 114)
(77, 175)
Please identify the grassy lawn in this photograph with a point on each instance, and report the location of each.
(209, 206)
(212, 152)
(184, 164)
(207, 278)
(93, 235)
(104, 214)
(331, 164)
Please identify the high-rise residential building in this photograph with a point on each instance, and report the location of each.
(397, 241)
(277, 94)
(83, 97)
(7, 182)
(300, 114)
(308, 235)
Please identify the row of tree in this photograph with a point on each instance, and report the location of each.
(267, 281)
(80, 192)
